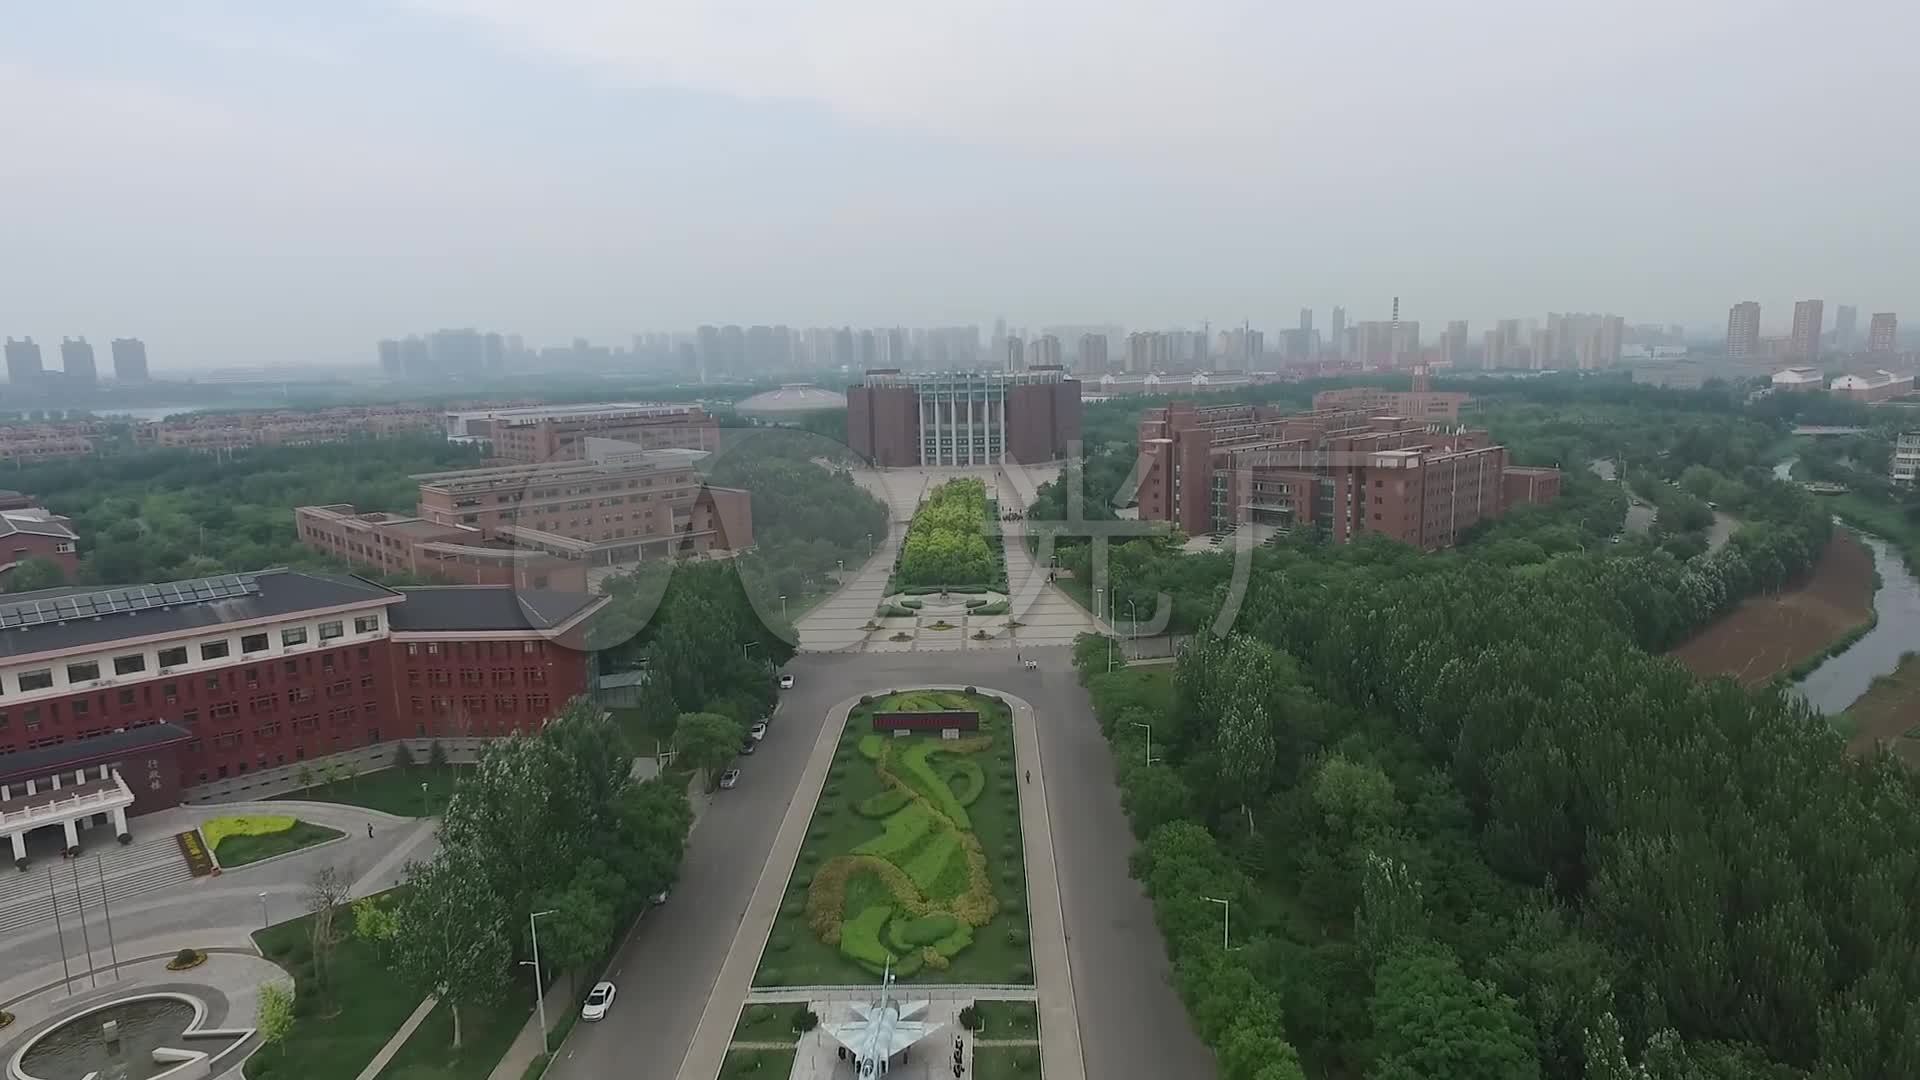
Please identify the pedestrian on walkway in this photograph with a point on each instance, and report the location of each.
(1029, 776)
(369, 830)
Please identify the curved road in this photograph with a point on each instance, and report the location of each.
(1132, 1025)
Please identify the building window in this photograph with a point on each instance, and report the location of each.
(537, 703)
(268, 731)
(293, 635)
(263, 703)
(366, 655)
(291, 667)
(223, 710)
(213, 650)
(36, 680)
(366, 682)
(331, 630)
(252, 643)
(326, 662)
(413, 648)
(414, 678)
(339, 689)
(85, 671)
(366, 624)
(213, 683)
(126, 697)
(130, 665)
(190, 717)
(417, 706)
(433, 648)
(173, 657)
(300, 694)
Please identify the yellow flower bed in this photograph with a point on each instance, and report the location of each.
(218, 829)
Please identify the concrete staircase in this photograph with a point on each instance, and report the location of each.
(138, 868)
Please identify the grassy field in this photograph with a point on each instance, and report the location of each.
(1889, 713)
(241, 850)
(485, 1035)
(391, 791)
(766, 1024)
(1006, 1063)
(1008, 1019)
(331, 1041)
(872, 842)
(763, 1064)
(1772, 633)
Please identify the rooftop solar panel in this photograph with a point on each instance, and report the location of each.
(122, 600)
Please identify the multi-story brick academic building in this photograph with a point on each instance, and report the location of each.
(125, 696)
(1342, 472)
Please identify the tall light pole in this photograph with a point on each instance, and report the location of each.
(539, 991)
(263, 911)
(426, 801)
(783, 606)
(1148, 728)
(1225, 926)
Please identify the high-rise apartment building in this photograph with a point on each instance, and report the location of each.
(1306, 319)
(1339, 329)
(388, 349)
(77, 363)
(1384, 344)
(1846, 322)
(129, 360)
(1501, 344)
(1881, 332)
(1743, 331)
(1044, 352)
(1582, 341)
(1453, 344)
(1093, 352)
(1804, 342)
(1016, 355)
(23, 362)
(1146, 352)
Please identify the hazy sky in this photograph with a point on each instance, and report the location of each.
(238, 183)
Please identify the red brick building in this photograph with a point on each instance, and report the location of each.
(250, 672)
(542, 526)
(542, 433)
(1340, 472)
(28, 532)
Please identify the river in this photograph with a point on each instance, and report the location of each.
(1839, 682)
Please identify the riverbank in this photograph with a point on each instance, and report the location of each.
(1889, 714)
(1776, 633)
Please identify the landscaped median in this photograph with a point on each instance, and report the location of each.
(239, 840)
(953, 543)
(913, 858)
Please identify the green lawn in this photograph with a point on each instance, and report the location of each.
(391, 791)
(331, 1041)
(1006, 1063)
(764, 1064)
(766, 1023)
(917, 840)
(1008, 1019)
(486, 1032)
(241, 850)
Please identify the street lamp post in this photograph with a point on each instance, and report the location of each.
(426, 802)
(1226, 926)
(783, 605)
(539, 991)
(1148, 728)
(263, 911)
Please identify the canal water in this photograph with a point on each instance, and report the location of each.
(1839, 682)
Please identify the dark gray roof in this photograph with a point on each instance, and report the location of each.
(432, 609)
(49, 758)
(281, 592)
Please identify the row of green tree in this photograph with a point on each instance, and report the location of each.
(947, 541)
(810, 518)
(550, 822)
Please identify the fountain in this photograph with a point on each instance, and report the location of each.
(138, 1038)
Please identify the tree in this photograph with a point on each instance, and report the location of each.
(707, 741)
(36, 572)
(649, 827)
(1430, 1020)
(273, 1014)
(374, 920)
(450, 936)
(1392, 911)
(582, 923)
(327, 892)
(1154, 795)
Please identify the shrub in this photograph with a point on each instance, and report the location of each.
(904, 832)
(826, 810)
(832, 789)
(759, 1014)
(927, 929)
(186, 958)
(809, 857)
(885, 803)
(1023, 974)
(1011, 907)
(770, 976)
(970, 1018)
(793, 908)
(805, 1020)
(1016, 936)
(866, 699)
(217, 829)
(860, 938)
(973, 781)
(873, 746)
(779, 943)
(971, 690)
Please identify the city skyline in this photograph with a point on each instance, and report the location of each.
(238, 187)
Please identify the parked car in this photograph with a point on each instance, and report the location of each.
(748, 746)
(730, 778)
(599, 1000)
(786, 682)
(758, 731)
(660, 897)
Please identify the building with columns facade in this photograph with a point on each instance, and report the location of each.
(963, 418)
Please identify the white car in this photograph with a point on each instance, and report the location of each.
(758, 731)
(660, 897)
(599, 1000)
(786, 682)
(730, 778)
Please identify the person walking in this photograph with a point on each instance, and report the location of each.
(369, 830)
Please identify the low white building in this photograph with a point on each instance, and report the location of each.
(1905, 467)
(1798, 379)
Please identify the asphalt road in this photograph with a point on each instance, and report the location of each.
(1133, 1026)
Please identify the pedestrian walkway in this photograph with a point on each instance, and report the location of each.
(399, 1039)
(1061, 1057)
(111, 877)
(527, 1045)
